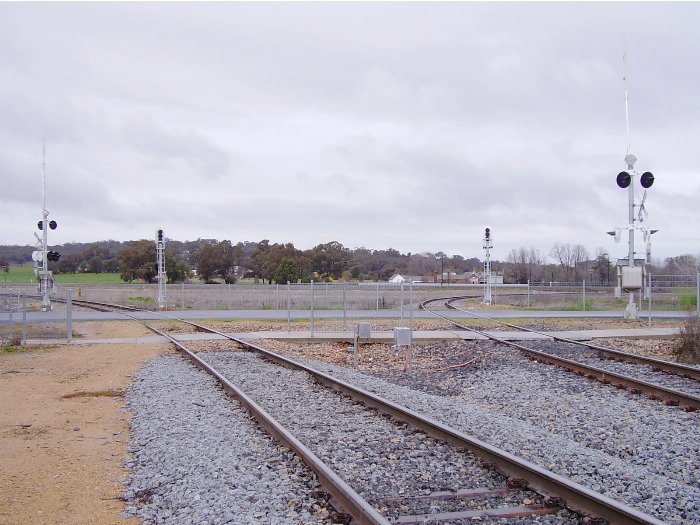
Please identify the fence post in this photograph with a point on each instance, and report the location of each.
(312, 307)
(277, 296)
(12, 318)
(697, 292)
(584, 294)
(345, 307)
(69, 315)
(528, 293)
(410, 303)
(182, 295)
(289, 309)
(649, 295)
(24, 319)
(401, 301)
(377, 296)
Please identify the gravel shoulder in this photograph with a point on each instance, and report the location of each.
(626, 446)
(64, 429)
(63, 432)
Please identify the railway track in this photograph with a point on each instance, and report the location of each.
(505, 478)
(683, 393)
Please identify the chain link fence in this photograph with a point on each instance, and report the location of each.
(23, 319)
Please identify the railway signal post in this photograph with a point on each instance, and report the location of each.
(160, 261)
(488, 244)
(631, 270)
(41, 256)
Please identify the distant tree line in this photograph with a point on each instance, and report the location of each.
(223, 261)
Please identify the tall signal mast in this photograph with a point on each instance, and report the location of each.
(488, 244)
(631, 272)
(41, 255)
(160, 263)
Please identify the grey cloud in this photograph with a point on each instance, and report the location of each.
(403, 124)
(165, 147)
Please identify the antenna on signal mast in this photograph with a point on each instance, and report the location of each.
(43, 172)
(627, 107)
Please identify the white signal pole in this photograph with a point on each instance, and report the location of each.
(488, 244)
(160, 261)
(41, 264)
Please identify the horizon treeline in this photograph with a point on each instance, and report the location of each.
(223, 261)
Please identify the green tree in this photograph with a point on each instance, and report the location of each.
(95, 265)
(330, 260)
(268, 257)
(229, 259)
(69, 263)
(207, 263)
(178, 272)
(286, 271)
(138, 261)
(219, 260)
(356, 271)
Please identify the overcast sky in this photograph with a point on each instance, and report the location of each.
(404, 125)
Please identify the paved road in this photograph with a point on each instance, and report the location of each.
(384, 336)
(331, 314)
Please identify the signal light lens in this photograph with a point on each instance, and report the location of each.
(160, 235)
(647, 179)
(53, 225)
(40, 225)
(624, 179)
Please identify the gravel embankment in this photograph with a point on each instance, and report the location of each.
(199, 458)
(193, 465)
(628, 447)
(643, 372)
(379, 458)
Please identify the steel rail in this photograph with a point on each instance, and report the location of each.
(671, 396)
(345, 497)
(686, 371)
(100, 307)
(573, 496)
(577, 498)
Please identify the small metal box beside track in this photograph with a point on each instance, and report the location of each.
(364, 331)
(402, 336)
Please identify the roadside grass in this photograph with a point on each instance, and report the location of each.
(688, 300)
(14, 347)
(25, 274)
(580, 306)
(140, 299)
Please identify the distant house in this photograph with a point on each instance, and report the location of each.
(471, 278)
(457, 278)
(451, 277)
(495, 278)
(398, 278)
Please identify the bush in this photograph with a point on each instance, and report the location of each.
(688, 300)
(687, 347)
(12, 344)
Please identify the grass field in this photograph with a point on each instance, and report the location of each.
(25, 274)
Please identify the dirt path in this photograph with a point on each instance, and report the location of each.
(63, 431)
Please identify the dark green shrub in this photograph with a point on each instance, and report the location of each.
(687, 346)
